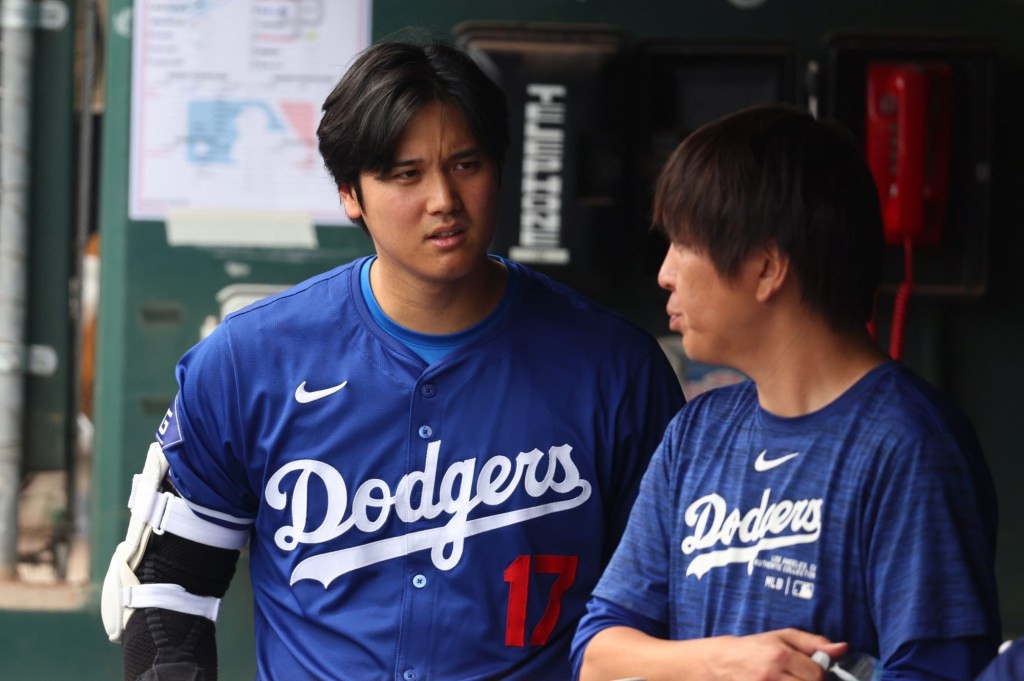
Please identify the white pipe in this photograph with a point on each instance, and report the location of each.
(18, 19)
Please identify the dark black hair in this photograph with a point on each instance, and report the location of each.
(773, 173)
(383, 90)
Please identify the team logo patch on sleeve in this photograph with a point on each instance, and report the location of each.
(169, 433)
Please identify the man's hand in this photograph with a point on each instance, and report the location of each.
(771, 656)
(780, 655)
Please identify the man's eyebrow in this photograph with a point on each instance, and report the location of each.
(466, 153)
(401, 163)
(412, 162)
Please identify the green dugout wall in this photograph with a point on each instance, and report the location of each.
(155, 297)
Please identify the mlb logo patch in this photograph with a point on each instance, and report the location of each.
(168, 433)
(804, 590)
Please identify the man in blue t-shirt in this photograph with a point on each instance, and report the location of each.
(833, 509)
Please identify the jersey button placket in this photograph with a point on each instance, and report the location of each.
(418, 612)
(419, 609)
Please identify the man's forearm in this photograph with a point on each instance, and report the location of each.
(621, 652)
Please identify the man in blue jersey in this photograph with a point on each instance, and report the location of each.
(431, 451)
(834, 506)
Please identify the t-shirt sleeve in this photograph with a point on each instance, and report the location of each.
(602, 614)
(931, 546)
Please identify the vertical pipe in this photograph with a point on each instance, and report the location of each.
(17, 24)
(75, 492)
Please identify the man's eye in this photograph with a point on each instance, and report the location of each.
(467, 165)
(404, 175)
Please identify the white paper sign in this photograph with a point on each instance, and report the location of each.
(226, 98)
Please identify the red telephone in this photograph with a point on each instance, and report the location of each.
(909, 116)
(909, 123)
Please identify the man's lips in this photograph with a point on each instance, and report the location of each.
(447, 238)
(672, 319)
(446, 232)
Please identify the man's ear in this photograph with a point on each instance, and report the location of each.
(774, 271)
(350, 201)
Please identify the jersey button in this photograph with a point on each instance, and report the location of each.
(419, 581)
(425, 432)
(409, 675)
(428, 390)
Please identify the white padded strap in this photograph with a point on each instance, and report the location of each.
(167, 512)
(170, 597)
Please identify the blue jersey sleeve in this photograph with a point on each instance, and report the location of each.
(637, 578)
(655, 398)
(206, 440)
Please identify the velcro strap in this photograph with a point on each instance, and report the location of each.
(171, 597)
(167, 512)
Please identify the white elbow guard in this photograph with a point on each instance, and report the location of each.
(157, 512)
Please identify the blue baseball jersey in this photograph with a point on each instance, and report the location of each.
(870, 521)
(415, 521)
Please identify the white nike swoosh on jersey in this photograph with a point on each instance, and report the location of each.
(303, 396)
(762, 464)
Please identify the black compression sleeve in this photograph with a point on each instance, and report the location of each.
(167, 645)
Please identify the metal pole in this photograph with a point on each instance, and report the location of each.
(18, 19)
(84, 216)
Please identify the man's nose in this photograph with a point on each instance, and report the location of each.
(444, 195)
(666, 273)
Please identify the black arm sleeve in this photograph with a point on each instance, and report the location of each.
(163, 645)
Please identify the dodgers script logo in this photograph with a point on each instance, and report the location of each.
(420, 495)
(771, 525)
